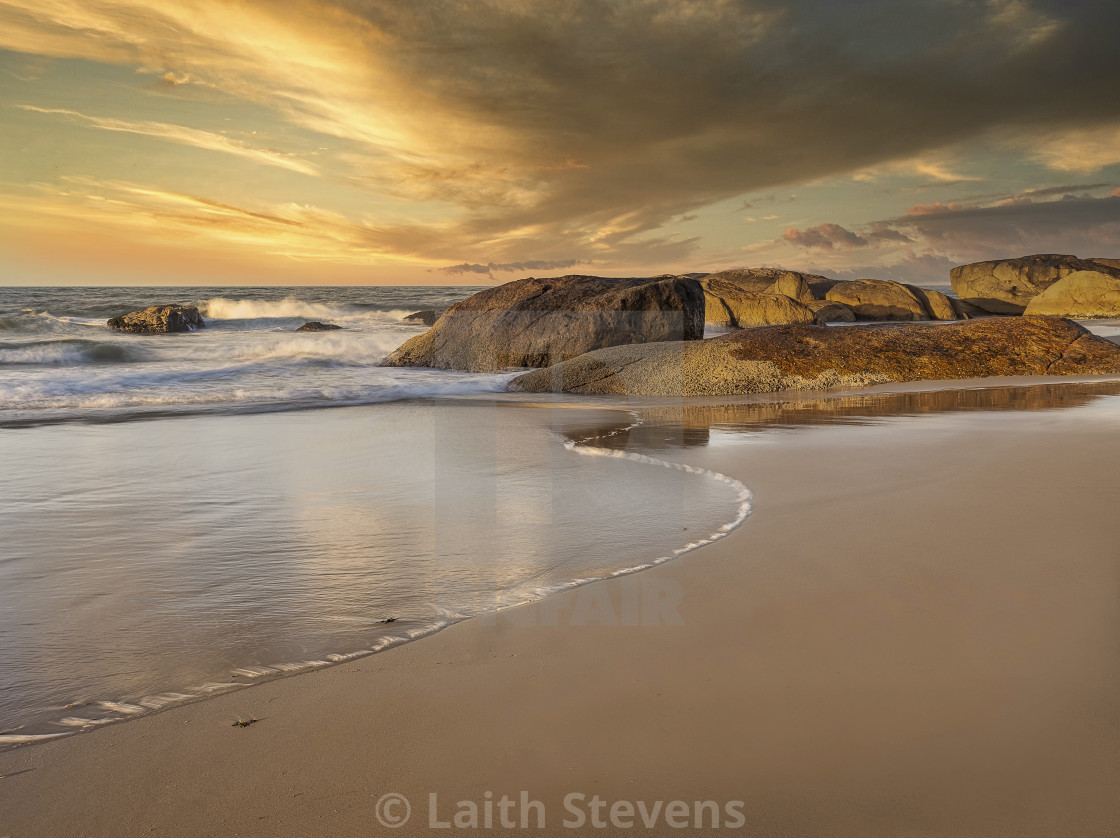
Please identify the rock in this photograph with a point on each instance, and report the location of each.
(1108, 263)
(966, 309)
(1084, 294)
(723, 288)
(817, 357)
(316, 326)
(746, 311)
(878, 299)
(1005, 286)
(427, 317)
(794, 286)
(937, 305)
(157, 320)
(832, 312)
(535, 322)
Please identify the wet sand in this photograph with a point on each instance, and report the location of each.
(915, 633)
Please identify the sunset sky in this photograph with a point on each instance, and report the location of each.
(431, 141)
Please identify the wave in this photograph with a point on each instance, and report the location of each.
(68, 353)
(163, 394)
(289, 308)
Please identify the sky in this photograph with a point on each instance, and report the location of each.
(254, 142)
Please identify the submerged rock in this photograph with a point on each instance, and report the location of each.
(817, 357)
(535, 322)
(156, 320)
(1084, 294)
(1006, 286)
(316, 326)
(427, 317)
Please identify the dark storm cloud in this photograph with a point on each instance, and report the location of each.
(608, 106)
(581, 128)
(1083, 226)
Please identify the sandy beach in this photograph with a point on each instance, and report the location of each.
(915, 633)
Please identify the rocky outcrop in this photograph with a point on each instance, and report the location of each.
(157, 320)
(1006, 286)
(536, 322)
(832, 312)
(428, 317)
(1083, 294)
(316, 326)
(876, 299)
(817, 357)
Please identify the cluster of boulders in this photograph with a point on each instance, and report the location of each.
(593, 335)
(749, 297)
(645, 336)
(1045, 284)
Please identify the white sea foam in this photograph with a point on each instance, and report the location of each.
(223, 308)
(23, 738)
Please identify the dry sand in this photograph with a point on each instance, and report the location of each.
(917, 632)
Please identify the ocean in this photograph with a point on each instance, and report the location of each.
(182, 515)
(59, 362)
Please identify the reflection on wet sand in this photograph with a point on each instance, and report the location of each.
(672, 426)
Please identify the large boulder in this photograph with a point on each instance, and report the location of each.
(536, 322)
(878, 299)
(1083, 294)
(748, 297)
(745, 311)
(157, 320)
(1006, 286)
(817, 357)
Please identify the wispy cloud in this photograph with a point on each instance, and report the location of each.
(509, 267)
(1085, 150)
(185, 136)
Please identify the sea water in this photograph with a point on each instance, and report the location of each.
(170, 528)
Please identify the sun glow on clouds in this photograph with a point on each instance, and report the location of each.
(186, 136)
(509, 133)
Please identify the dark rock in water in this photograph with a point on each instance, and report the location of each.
(427, 317)
(1006, 286)
(156, 320)
(816, 357)
(536, 322)
(316, 326)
